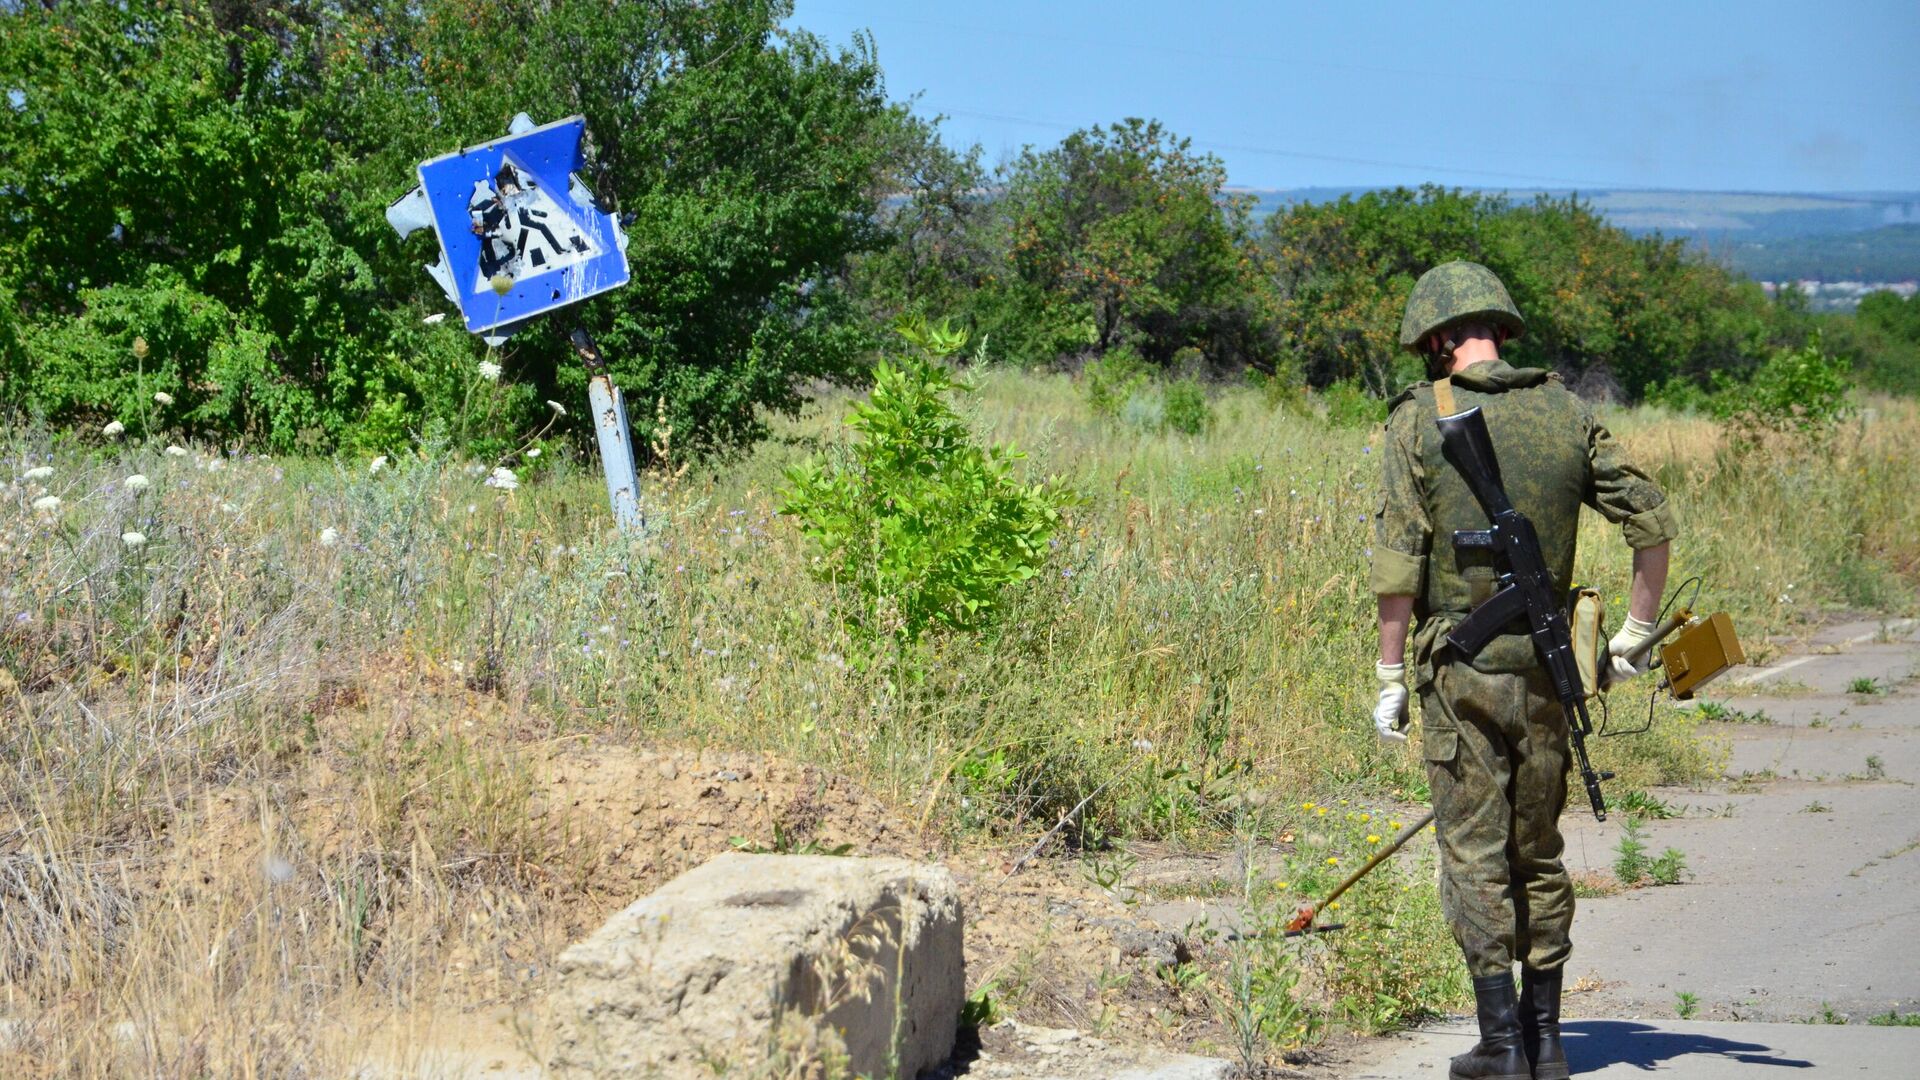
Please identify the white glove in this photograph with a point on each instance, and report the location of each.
(1617, 669)
(1390, 715)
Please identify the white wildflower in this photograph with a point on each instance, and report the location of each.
(176, 451)
(136, 482)
(47, 504)
(114, 429)
(503, 479)
(38, 473)
(161, 397)
(558, 409)
(134, 540)
(229, 508)
(1143, 745)
(374, 466)
(534, 453)
(489, 371)
(434, 318)
(329, 536)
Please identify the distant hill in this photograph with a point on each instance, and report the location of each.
(1851, 236)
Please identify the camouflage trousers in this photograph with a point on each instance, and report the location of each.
(1497, 761)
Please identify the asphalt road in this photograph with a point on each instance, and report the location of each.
(1802, 901)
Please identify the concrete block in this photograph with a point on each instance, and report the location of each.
(754, 965)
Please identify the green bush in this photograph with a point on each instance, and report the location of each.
(1185, 407)
(1114, 379)
(1802, 391)
(920, 525)
(1349, 405)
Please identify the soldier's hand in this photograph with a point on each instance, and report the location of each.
(1390, 714)
(1617, 668)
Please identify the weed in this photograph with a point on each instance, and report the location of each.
(1864, 685)
(1827, 1015)
(1630, 863)
(1685, 1004)
(1893, 1018)
(1108, 869)
(1640, 804)
(1726, 714)
(1668, 868)
(980, 1010)
(785, 843)
(1816, 807)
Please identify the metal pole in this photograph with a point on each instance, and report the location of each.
(614, 434)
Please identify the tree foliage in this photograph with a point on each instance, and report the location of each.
(1601, 306)
(1117, 236)
(212, 176)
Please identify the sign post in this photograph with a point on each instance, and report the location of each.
(522, 235)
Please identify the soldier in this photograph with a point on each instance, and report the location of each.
(1493, 734)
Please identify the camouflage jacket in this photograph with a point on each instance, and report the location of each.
(1553, 457)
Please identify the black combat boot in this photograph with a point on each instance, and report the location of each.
(1540, 1023)
(1500, 1054)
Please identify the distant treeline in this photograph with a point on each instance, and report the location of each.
(208, 180)
(1890, 253)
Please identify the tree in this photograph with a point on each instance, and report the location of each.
(1601, 306)
(1124, 235)
(212, 177)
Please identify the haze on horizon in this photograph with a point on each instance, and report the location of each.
(1762, 96)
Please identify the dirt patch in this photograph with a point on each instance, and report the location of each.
(483, 844)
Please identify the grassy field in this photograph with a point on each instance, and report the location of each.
(246, 777)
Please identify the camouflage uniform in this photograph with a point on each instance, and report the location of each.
(1494, 736)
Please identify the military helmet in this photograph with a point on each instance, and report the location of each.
(1457, 292)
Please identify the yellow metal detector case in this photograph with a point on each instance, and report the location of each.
(1704, 648)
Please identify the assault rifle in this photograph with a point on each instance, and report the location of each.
(1528, 588)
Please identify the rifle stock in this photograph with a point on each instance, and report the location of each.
(1466, 443)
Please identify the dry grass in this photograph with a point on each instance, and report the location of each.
(259, 787)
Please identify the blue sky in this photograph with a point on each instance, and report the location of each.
(1755, 96)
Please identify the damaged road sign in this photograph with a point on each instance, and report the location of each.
(520, 233)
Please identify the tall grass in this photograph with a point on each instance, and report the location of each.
(245, 781)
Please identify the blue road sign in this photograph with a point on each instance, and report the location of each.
(520, 234)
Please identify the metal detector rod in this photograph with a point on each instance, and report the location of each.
(1667, 626)
(1302, 921)
(614, 434)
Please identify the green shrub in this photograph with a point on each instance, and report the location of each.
(1184, 407)
(1114, 379)
(1802, 391)
(1349, 405)
(920, 524)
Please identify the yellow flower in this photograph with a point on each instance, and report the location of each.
(1320, 812)
(1373, 838)
(1393, 824)
(1335, 906)
(1366, 817)
(1279, 884)
(1333, 860)
(1306, 806)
